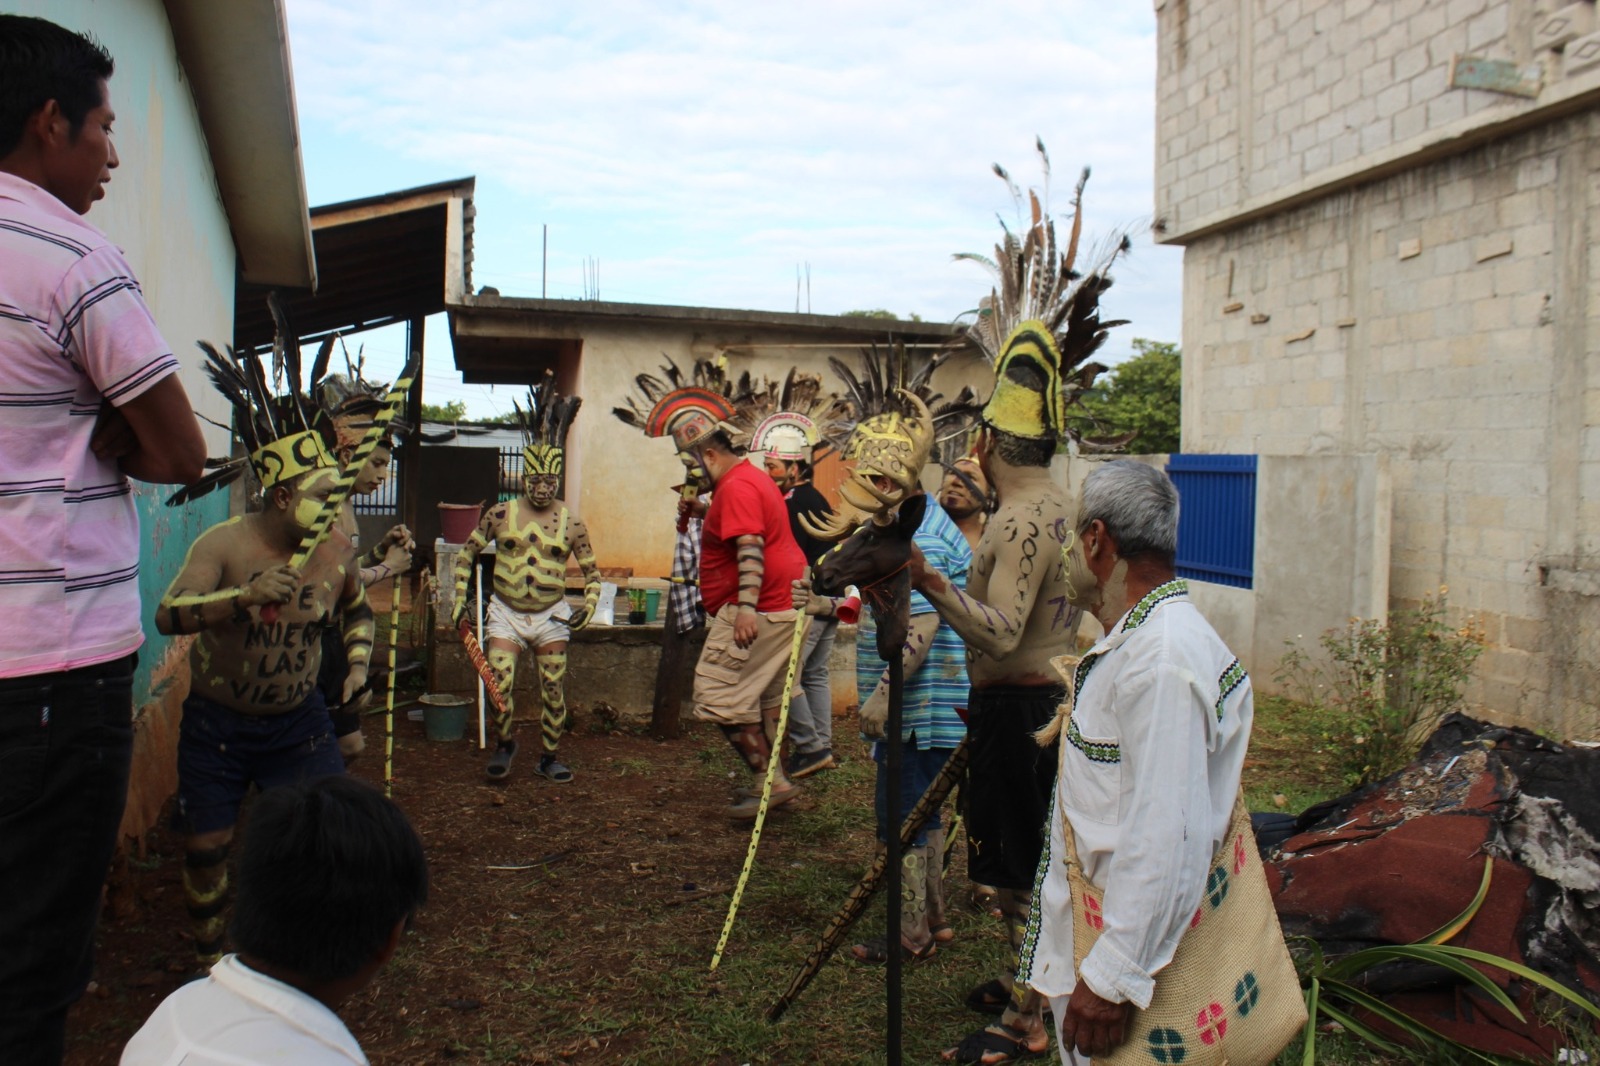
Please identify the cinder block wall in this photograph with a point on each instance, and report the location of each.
(1380, 262)
(1444, 317)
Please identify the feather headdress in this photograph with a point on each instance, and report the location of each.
(349, 400)
(282, 430)
(1040, 323)
(544, 423)
(899, 422)
(689, 407)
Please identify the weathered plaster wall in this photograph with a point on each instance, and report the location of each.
(618, 480)
(162, 208)
(1443, 318)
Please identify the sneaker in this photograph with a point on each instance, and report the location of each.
(746, 807)
(805, 763)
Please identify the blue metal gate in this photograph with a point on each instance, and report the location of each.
(1216, 517)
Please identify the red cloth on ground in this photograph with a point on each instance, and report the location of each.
(744, 503)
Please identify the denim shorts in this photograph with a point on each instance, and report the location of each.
(222, 752)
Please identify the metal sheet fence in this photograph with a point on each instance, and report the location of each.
(1216, 517)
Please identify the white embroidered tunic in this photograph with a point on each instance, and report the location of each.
(1150, 764)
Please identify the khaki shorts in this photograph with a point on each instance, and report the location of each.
(535, 630)
(732, 684)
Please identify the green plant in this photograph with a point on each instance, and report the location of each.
(1334, 991)
(1390, 682)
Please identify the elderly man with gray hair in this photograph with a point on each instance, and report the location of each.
(1154, 743)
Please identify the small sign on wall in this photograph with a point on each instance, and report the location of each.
(1496, 75)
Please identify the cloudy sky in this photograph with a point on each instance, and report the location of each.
(702, 152)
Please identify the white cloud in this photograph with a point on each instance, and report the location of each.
(701, 151)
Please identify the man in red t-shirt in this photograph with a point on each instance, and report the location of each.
(748, 558)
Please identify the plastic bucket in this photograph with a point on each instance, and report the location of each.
(445, 717)
(458, 520)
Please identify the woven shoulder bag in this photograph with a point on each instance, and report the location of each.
(1230, 994)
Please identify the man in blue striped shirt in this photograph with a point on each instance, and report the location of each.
(935, 668)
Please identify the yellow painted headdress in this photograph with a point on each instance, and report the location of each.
(1040, 322)
(544, 423)
(350, 401)
(284, 433)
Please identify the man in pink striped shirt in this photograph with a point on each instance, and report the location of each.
(88, 398)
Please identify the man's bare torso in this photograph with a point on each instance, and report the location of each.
(1028, 533)
(532, 546)
(259, 667)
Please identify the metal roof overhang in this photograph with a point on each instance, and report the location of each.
(502, 340)
(380, 260)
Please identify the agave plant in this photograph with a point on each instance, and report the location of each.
(1334, 993)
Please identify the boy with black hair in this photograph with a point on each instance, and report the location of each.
(330, 875)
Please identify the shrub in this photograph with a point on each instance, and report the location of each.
(1391, 682)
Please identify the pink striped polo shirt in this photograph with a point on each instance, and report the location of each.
(74, 331)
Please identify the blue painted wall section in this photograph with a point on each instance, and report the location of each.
(167, 533)
(1216, 517)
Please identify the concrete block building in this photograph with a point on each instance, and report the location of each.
(1388, 210)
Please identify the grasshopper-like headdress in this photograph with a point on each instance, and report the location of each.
(1040, 322)
(900, 421)
(284, 432)
(544, 423)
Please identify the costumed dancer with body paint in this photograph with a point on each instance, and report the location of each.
(534, 536)
(1040, 323)
(748, 561)
(254, 715)
(350, 402)
(889, 446)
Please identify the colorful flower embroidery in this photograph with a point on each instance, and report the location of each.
(1212, 1023)
(1166, 1045)
(1231, 679)
(1094, 750)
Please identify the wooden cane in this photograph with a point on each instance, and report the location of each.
(795, 646)
(855, 903)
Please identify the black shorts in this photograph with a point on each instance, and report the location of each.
(222, 752)
(1011, 779)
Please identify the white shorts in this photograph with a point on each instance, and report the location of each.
(535, 630)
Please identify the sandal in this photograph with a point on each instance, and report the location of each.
(553, 768)
(875, 952)
(991, 997)
(942, 932)
(1002, 1042)
(499, 767)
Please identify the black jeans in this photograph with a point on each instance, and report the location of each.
(66, 740)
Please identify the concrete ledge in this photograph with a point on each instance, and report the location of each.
(615, 665)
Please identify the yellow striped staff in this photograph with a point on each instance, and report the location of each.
(346, 479)
(766, 784)
(388, 718)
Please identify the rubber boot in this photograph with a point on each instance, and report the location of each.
(914, 932)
